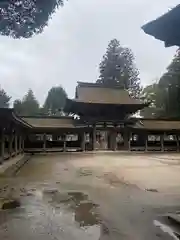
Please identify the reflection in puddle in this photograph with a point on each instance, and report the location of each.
(78, 196)
(74, 218)
(85, 214)
(84, 211)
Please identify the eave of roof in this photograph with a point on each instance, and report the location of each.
(50, 122)
(157, 124)
(19, 120)
(166, 27)
(103, 102)
(84, 108)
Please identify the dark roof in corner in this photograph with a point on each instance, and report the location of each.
(157, 124)
(96, 93)
(166, 27)
(50, 122)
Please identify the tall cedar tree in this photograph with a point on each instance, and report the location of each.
(165, 96)
(4, 99)
(23, 18)
(55, 100)
(117, 68)
(170, 83)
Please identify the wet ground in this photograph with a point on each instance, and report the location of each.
(92, 196)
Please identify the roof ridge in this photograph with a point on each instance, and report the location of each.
(100, 85)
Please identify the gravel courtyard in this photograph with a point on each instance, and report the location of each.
(101, 195)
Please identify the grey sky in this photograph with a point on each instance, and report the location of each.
(73, 44)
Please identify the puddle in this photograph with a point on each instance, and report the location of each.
(151, 190)
(78, 196)
(65, 215)
(113, 180)
(83, 210)
(84, 172)
(85, 214)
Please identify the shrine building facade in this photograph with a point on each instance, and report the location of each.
(98, 118)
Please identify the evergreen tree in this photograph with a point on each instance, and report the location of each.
(117, 68)
(17, 105)
(55, 100)
(165, 96)
(28, 106)
(155, 96)
(170, 83)
(4, 99)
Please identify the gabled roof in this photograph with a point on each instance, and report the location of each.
(96, 93)
(166, 28)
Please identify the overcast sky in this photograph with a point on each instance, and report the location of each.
(71, 47)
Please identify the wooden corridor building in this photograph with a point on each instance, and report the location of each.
(103, 122)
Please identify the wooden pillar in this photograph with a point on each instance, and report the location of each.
(162, 142)
(146, 142)
(20, 143)
(111, 140)
(10, 144)
(94, 139)
(44, 142)
(16, 143)
(129, 141)
(126, 140)
(2, 147)
(177, 140)
(83, 141)
(23, 139)
(113, 143)
(64, 143)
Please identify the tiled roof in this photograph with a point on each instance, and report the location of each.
(94, 93)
